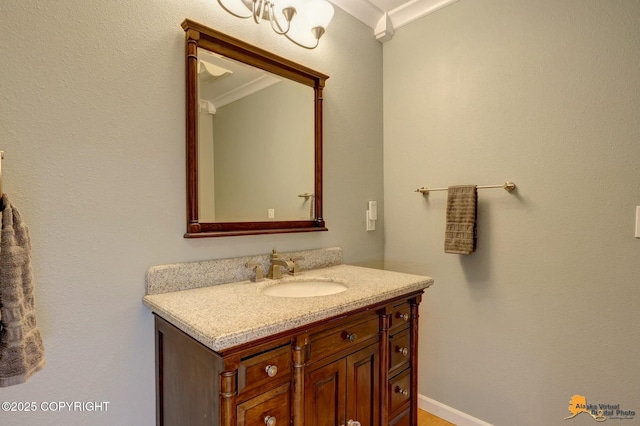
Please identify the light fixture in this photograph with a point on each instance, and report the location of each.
(301, 21)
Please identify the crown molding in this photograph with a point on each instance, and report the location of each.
(384, 23)
(416, 9)
(362, 10)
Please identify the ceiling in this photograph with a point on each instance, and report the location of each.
(385, 16)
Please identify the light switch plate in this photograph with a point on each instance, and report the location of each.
(373, 210)
(371, 224)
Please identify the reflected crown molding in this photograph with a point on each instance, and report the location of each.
(247, 89)
(206, 106)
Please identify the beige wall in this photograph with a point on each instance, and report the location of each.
(544, 93)
(206, 168)
(92, 122)
(264, 154)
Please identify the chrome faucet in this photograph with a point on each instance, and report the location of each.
(275, 271)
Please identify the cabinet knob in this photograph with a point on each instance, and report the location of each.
(352, 423)
(403, 317)
(352, 338)
(271, 371)
(270, 421)
(403, 351)
(401, 391)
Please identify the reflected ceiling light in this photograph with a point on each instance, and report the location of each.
(301, 21)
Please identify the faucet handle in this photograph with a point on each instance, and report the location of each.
(294, 259)
(274, 254)
(259, 274)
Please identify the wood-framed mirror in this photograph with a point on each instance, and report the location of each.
(263, 174)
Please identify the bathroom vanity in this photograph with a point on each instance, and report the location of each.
(229, 354)
(334, 344)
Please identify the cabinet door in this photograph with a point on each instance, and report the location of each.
(324, 394)
(363, 386)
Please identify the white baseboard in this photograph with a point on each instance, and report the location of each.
(447, 413)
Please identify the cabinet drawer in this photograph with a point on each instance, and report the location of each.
(261, 370)
(399, 349)
(274, 406)
(400, 316)
(403, 419)
(338, 338)
(399, 391)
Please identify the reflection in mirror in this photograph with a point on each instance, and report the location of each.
(255, 144)
(254, 139)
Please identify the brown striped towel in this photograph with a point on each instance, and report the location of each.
(462, 207)
(21, 350)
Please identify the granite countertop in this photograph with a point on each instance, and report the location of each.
(226, 315)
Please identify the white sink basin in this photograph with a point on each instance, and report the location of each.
(304, 288)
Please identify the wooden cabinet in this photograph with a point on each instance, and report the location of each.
(360, 366)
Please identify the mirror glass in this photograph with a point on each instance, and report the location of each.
(254, 139)
(255, 143)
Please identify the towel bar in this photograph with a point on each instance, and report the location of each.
(507, 186)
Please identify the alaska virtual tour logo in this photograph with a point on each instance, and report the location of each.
(599, 412)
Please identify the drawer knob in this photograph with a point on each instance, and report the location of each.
(403, 317)
(401, 391)
(403, 351)
(270, 421)
(352, 337)
(352, 423)
(271, 371)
